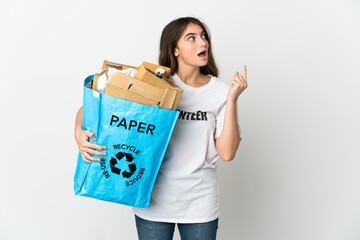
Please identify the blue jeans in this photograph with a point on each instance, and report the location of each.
(150, 230)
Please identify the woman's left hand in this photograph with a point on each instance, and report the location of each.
(238, 85)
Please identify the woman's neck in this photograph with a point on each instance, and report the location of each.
(191, 76)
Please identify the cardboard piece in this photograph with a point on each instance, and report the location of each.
(145, 87)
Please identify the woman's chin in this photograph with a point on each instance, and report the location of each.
(204, 64)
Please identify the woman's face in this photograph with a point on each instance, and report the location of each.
(192, 47)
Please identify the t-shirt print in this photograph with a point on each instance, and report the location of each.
(193, 116)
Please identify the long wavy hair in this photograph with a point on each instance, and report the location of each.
(168, 41)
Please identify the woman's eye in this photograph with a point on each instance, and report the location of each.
(192, 38)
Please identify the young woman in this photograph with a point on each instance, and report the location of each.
(186, 190)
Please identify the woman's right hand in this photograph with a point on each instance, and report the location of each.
(86, 148)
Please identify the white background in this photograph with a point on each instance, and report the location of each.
(296, 174)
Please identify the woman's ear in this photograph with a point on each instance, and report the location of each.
(176, 53)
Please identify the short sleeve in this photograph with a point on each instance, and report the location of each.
(219, 121)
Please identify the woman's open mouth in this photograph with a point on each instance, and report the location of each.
(203, 54)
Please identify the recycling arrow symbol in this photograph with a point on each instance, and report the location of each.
(129, 158)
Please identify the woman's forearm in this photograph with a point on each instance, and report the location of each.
(228, 142)
(78, 121)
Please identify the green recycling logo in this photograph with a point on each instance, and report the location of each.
(127, 173)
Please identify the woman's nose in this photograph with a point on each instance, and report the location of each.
(203, 42)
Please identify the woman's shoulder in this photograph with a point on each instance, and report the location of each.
(219, 83)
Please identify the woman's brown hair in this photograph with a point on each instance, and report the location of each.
(169, 38)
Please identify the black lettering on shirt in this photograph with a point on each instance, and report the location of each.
(193, 116)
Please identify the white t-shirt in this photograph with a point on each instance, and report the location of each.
(186, 188)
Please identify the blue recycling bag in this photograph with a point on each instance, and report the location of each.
(136, 137)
